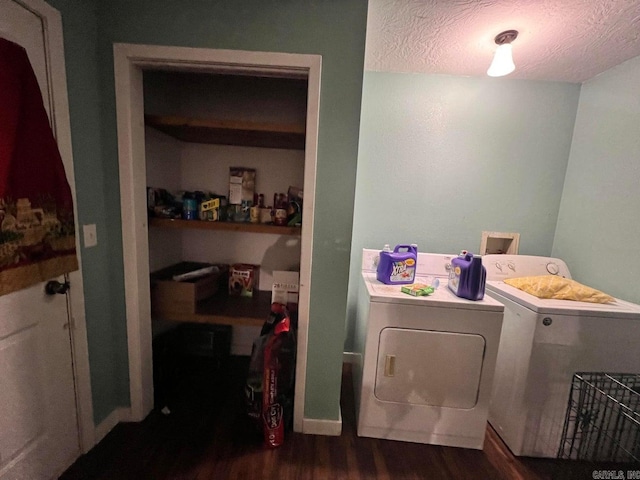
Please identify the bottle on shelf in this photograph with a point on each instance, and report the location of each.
(280, 209)
(254, 211)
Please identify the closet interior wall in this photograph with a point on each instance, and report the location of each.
(177, 165)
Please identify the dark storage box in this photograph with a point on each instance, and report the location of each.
(187, 360)
(204, 340)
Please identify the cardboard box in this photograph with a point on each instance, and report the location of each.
(209, 210)
(285, 288)
(417, 289)
(171, 297)
(243, 279)
(242, 185)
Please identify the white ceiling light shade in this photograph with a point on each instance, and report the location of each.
(502, 63)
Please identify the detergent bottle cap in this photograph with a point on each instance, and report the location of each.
(386, 248)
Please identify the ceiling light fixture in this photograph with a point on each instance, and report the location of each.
(503, 59)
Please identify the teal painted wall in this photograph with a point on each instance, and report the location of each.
(598, 230)
(334, 29)
(442, 158)
(104, 300)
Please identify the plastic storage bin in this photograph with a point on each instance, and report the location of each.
(187, 360)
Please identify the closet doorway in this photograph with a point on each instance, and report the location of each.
(130, 63)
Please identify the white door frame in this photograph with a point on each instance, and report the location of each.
(60, 124)
(129, 62)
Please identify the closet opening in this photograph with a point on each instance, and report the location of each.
(201, 131)
(188, 120)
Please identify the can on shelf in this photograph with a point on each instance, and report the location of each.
(280, 217)
(189, 208)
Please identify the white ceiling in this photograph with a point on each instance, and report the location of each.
(559, 40)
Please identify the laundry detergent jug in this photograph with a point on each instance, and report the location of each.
(467, 276)
(397, 267)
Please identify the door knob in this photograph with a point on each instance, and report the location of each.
(53, 286)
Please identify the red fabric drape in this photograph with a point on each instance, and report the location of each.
(36, 208)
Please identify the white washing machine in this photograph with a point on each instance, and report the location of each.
(543, 343)
(425, 364)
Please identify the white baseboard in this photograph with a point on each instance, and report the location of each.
(349, 357)
(121, 414)
(314, 426)
(309, 425)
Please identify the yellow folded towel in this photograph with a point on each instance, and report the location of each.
(552, 286)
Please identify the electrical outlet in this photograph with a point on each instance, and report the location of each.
(90, 235)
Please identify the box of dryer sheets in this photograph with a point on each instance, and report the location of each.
(243, 279)
(242, 185)
(417, 289)
(210, 210)
(178, 288)
(285, 288)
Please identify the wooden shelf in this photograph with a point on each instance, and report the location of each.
(224, 132)
(221, 309)
(223, 226)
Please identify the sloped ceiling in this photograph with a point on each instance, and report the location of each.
(559, 40)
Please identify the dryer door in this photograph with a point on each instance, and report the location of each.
(425, 367)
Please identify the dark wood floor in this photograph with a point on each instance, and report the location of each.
(207, 436)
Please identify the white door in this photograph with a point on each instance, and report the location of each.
(38, 415)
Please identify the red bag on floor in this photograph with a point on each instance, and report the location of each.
(272, 409)
(270, 385)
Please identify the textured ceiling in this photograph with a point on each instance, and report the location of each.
(561, 40)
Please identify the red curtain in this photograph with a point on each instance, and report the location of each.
(37, 232)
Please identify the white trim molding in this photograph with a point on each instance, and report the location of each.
(129, 62)
(121, 414)
(314, 426)
(350, 357)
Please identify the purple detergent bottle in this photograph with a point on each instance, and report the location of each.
(467, 276)
(398, 267)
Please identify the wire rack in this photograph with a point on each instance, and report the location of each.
(602, 422)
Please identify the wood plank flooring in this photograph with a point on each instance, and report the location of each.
(207, 436)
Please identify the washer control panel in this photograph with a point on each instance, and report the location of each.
(500, 267)
(553, 268)
(429, 264)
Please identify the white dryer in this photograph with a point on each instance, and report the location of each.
(543, 343)
(425, 364)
